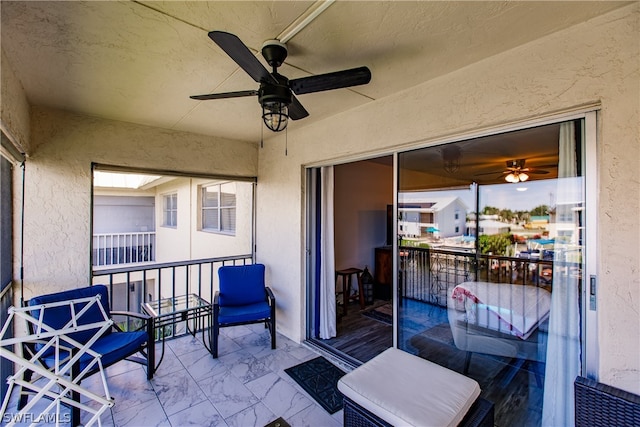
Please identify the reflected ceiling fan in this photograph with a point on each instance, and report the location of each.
(276, 92)
(517, 172)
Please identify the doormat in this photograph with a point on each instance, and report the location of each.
(319, 378)
(383, 313)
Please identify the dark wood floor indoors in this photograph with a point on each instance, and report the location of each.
(361, 337)
(515, 387)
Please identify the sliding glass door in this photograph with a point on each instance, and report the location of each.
(350, 243)
(491, 265)
(489, 259)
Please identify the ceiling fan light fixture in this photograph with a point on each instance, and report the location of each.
(275, 115)
(515, 177)
(512, 178)
(275, 100)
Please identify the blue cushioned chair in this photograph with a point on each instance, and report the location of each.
(243, 299)
(113, 346)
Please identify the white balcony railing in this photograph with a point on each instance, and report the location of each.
(123, 248)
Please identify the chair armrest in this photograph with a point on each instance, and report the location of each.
(131, 314)
(270, 297)
(146, 324)
(216, 298)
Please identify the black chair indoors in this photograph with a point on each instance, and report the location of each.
(243, 299)
(113, 346)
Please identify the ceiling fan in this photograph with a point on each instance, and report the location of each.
(275, 93)
(517, 172)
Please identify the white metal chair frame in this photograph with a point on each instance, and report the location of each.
(63, 385)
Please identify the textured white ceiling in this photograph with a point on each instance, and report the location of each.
(139, 61)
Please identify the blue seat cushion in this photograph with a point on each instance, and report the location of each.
(241, 284)
(244, 313)
(113, 348)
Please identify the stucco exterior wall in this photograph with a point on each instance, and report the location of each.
(14, 108)
(206, 244)
(173, 243)
(593, 62)
(187, 240)
(58, 183)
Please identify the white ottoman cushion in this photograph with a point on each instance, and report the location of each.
(404, 389)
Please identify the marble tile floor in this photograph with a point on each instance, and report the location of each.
(246, 386)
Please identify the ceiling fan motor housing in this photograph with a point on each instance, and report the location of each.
(517, 163)
(274, 52)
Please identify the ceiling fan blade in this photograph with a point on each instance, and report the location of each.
(296, 110)
(225, 95)
(492, 173)
(537, 171)
(329, 81)
(241, 54)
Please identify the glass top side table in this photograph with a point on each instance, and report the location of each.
(167, 313)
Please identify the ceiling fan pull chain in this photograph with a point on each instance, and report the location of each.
(261, 135)
(286, 141)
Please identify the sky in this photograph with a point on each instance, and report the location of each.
(519, 197)
(522, 196)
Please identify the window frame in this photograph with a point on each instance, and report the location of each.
(165, 211)
(219, 208)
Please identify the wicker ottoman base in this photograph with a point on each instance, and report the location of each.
(599, 405)
(480, 415)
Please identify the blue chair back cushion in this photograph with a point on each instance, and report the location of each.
(241, 284)
(57, 317)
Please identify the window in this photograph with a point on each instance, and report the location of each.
(219, 208)
(170, 210)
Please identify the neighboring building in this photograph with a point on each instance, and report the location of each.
(539, 221)
(171, 219)
(432, 217)
(166, 219)
(564, 222)
(487, 226)
(203, 218)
